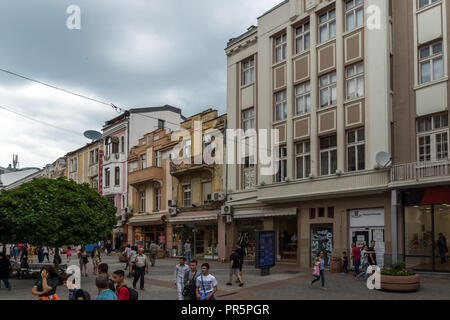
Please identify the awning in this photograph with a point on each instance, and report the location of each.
(149, 219)
(438, 195)
(264, 212)
(196, 216)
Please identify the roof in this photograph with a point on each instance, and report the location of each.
(9, 178)
(157, 109)
(87, 145)
(276, 7)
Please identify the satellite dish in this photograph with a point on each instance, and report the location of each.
(383, 159)
(93, 135)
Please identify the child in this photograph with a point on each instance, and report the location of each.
(122, 291)
(345, 262)
(5, 269)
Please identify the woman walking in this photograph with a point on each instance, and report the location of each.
(45, 288)
(319, 270)
(69, 253)
(83, 258)
(364, 262)
(95, 259)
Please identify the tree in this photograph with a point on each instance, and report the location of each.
(55, 213)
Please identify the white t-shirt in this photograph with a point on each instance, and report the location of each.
(187, 247)
(206, 284)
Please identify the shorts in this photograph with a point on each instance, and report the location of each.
(234, 271)
(240, 267)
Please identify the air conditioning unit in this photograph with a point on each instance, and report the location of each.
(226, 210)
(219, 196)
(173, 211)
(172, 203)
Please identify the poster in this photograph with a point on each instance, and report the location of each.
(265, 249)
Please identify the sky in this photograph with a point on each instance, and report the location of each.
(133, 53)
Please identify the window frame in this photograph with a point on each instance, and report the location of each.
(282, 46)
(329, 20)
(186, 190)
(248, 70)
(328, 150)
(431, 60)
(116, 176)
(431, 134)
(248, 119)
(282, 173)
(429, 3)
(358, 6)
(302, 32)
(282, 103)
(304, 96)
(354, 78)
(356, 144)
(329, 88)
(306, 156)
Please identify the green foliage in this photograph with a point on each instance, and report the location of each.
(55, 213)
(397, 269)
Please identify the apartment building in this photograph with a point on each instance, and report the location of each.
(119, 136)
(83, 164)
(319, 73)
(56, 169)
(150, 186)
(420, 172)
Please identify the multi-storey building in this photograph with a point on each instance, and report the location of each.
(421, 167)
(150, 186)
(319, 73)
(56, 169)
(83, 164)
(119, 136)
(198, 189)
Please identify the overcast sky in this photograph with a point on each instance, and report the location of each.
(133, 53)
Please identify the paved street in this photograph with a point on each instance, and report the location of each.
(285, 283)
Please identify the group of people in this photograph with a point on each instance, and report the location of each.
(361, 257)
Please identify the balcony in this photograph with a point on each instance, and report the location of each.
(183, 168)
(146, 175)
(420, 173)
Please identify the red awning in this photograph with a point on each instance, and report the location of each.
(439, 195)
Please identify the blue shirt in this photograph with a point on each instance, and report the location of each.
(322, 264)
(107, 295)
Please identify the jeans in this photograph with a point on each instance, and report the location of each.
(180, 287)
(83, 268)
(364, 273)
(321, 277)
(6, 282)
(356, 264)
(139, 273)
(188, 256)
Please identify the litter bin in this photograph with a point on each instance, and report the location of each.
(336, 265)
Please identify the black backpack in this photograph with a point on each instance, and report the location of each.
(133, 294)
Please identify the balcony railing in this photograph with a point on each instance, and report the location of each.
(146, 175)
(420, 171)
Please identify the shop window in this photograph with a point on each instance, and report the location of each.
(312, 213)
(287, 238)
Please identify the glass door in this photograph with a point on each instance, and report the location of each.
(441, 236)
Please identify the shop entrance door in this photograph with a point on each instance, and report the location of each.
(360, 237)
(322, 240)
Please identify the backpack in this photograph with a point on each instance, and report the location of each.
(133, 294)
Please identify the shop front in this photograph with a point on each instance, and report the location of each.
(427, 228)
(147, 229)
(201, 229)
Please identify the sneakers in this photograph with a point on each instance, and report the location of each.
(241, 284)
(229, 284)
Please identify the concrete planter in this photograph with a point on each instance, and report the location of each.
(400, 283)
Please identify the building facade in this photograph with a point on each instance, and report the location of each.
(83, 164)
(320, 75)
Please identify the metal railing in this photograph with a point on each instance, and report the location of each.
(419, 171)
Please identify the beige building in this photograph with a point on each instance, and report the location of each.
(319, 72)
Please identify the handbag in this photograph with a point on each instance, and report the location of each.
(187, 290)
(316, 272)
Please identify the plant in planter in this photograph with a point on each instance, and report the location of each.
(399, 279)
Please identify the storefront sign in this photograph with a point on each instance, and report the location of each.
(367, 218)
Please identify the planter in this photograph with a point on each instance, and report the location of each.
(400, 283)
(335, 265)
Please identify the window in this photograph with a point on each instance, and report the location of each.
(96, 155)
(206, 190)
(302, 98)
(122, 144)
(161, 124)
(92, 157)
(327, 26)
(302, 38)
(143, 161)
(424, 3)
(124, 203)
(354, 16)
(107, 177)
(327, 87)
(115, 147)
(331, 212)
(321, 212)
(117, 176)
(248, 71)
(248, 119)
(312, 213)
(249, 177)
(302, 160)
(328, 155)
(431, 63)
(73, 165)
(281, 174)
(280, 48)
(187, 149)
(142, 202)
(157, 199)
(280, 106)
(432, 138)
(158, 159)
(355, 81)
(355, 150)
(186, 196)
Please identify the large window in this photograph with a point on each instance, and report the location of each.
(248, 119)
(206, 190)
(302, 160)
(328, 155)
(157, 199)
(122, 144)
(327, 26)
(302, 38)
(432, 138)
(355, 150)
(186, 196)
(280, 44)
(431, 63)
(424, 3)
(303, 98)
(282, 165)
(355, 80)
(107, 177)
(280, 106)
(248, 174)
(143, 161)
(248, 71)
(158, 159)
(354, 16)
(142, 202)
(117, 176)
(327, 87)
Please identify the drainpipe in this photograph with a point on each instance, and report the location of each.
(394, 205)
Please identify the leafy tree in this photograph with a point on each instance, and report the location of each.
(55, 213)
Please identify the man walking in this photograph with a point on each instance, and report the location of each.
(5, 269)
(178, 276)
(126, 254)
(372, 254)
(241, 253)
(190, 280)
(153, 252)
(187, 250)
(45, 254)
(104, 293)
(140, 268)
(356, 257)
(234, 268)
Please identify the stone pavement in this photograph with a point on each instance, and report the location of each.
(286, 282)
